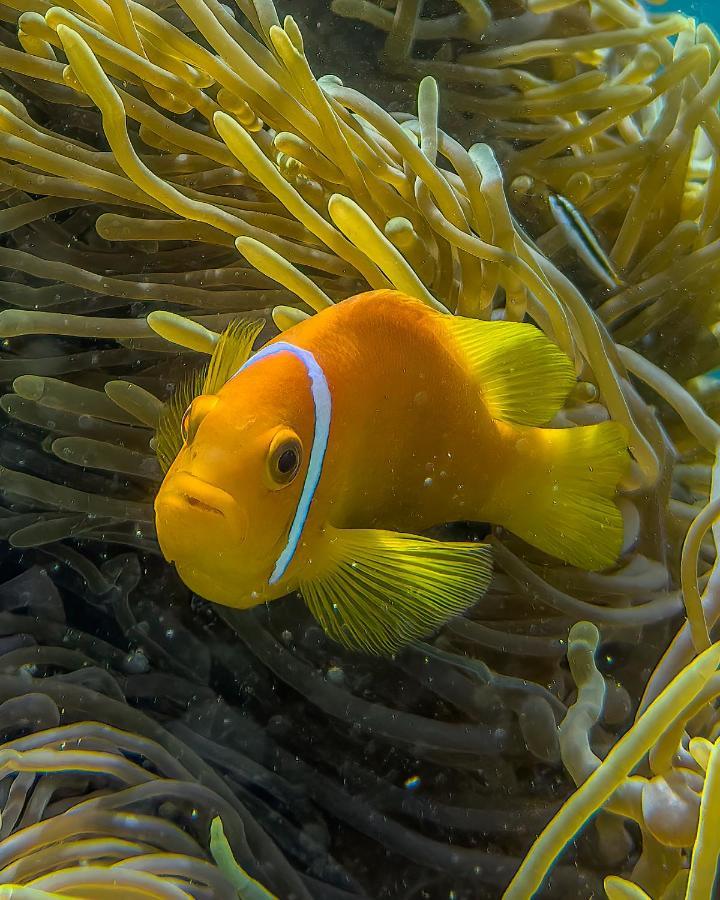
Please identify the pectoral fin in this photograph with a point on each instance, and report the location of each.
(376, 591)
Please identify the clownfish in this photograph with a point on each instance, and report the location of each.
(315, 464)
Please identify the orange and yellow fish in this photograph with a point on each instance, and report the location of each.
(314, 464)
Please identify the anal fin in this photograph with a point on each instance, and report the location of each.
(376, 591)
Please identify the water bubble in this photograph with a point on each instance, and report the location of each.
(427, 482)
(136, 663)
(278, 725)
(168, 809)
(27, 672)
(335, 675)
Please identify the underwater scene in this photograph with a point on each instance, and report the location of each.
(359, 429)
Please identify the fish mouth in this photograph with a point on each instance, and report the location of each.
(192, 491)
(193, 501)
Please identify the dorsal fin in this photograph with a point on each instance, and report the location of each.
(523, 377)
(232, 350)
(168, 433)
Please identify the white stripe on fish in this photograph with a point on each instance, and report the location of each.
(322, 403)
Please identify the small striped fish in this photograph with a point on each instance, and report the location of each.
(583, 240)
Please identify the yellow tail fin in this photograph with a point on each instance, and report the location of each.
(568, 505)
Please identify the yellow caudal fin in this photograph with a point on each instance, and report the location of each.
(567, 507)
(521, 375)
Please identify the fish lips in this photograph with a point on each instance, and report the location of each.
(191, 512)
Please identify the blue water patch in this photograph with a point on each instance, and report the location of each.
(703, 10)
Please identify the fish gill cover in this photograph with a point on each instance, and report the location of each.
(184, 157)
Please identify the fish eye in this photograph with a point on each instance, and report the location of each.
(284, 458)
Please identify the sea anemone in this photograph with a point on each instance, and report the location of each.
(211, 725)
(610, 105)
(675, 806)
(183, 159)
(98, 800)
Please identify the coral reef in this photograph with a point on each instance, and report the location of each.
(182, 159)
